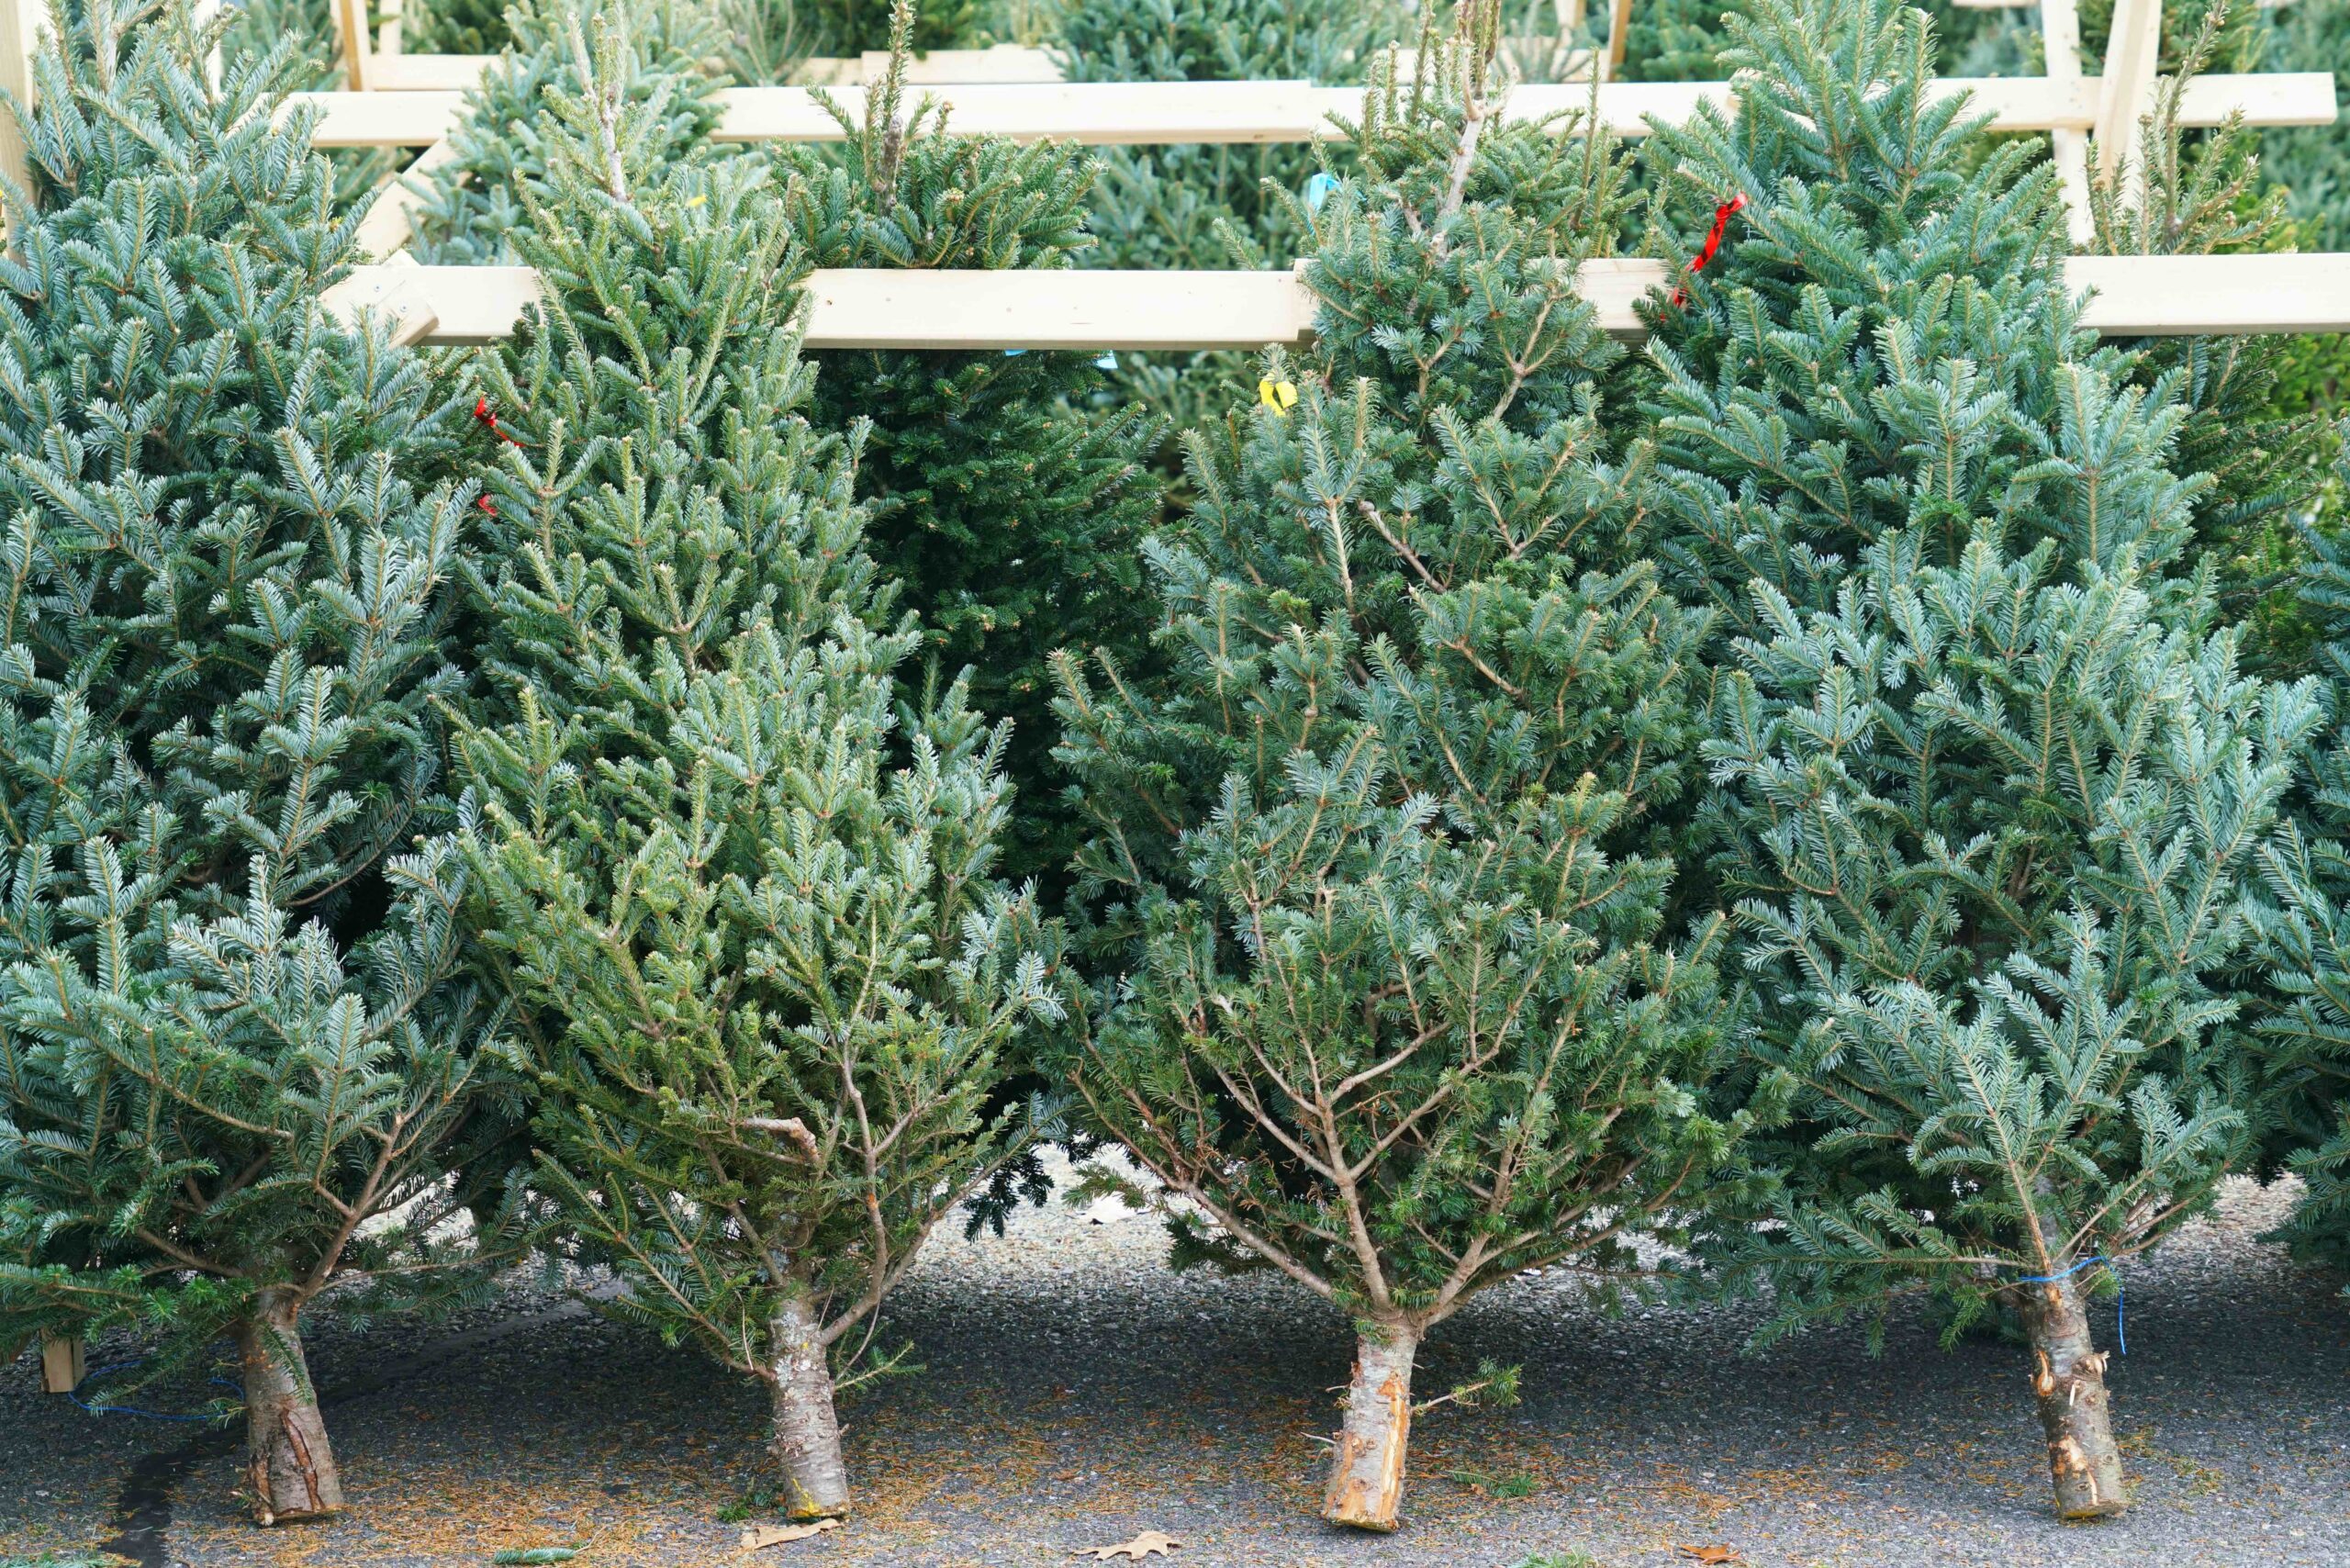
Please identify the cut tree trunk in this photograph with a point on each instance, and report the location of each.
(1367, 1466)
(2069, 1382)
(807, 1433)
(290, 1463)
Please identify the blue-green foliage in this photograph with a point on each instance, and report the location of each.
(1989, 783)
(229, 1036)
(1372, 828)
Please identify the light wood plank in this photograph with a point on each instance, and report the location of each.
(62, 1363)
(1142, 113)
(389, 222)
(2060, 27)
(2134, 296)
(22, 22)
(2126, 91)
(358, 45)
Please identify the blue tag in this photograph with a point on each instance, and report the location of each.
(1317, 191)
(1108, 361)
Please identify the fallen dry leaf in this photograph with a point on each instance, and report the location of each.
(757, 1536)
(1711, 1553)
(1142, 1546)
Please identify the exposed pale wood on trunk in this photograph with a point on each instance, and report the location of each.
(1366, 1487)
(289, 1464)
(2068, 1385)
(807, 1434)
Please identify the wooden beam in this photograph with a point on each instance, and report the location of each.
(21, 24)
(1619, 30)
(2060, 28)
(2135, 296)
(2126, 91)
(389, 224)
(1146, 113)
(63, 1364)
(358, 44)
(393, 72)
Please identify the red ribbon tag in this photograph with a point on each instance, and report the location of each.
(487, 416)
(1712, 241)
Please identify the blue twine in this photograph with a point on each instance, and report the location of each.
(96, 1372)
(2121, 1297)
(1317, 191)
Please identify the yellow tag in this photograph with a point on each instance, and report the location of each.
(1280, 397)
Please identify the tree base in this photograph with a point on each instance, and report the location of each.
(807, 1430)
(1367, 1465)
(289, 1463)
(2068, 1385)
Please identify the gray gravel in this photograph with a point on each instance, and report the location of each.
(1075, 1393)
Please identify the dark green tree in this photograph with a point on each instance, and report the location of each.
(239, 1063)
(1989, 785)
(743, 898)
(1372, 856)
(1008, 495)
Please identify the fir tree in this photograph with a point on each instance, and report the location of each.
(743, 897)
(1007, 494)
(1988, 781)
(1212, 206)
(1370, 829)
(236, 1071)
(2307, 932)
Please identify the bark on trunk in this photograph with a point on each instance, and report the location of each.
(1367, 1467)
(288, 1461)
(2069, 1382)
(807, 1433)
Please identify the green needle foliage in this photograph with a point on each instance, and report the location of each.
(1213, 207)
(1008, 495)
(238, 1063)
(2307, 944)
(1371, 848)
(743, 898)
(1989, 783)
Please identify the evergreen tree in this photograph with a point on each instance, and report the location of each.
(2307, 932)
(743, 897)
(1370, 831)
(1988, 782)
(1007, 494)
(237, 1068)
(1212, 206)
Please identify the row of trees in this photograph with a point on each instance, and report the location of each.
(1804, 794)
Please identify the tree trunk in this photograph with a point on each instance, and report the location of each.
(289, 1463)
(1367, 1466)
(807, 1433)
(2068, 1381)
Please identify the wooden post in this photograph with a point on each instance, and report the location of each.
(21, 22)
(358, 45)
(1619, 27)
(2127, 90)
(2060, 29)
(62, 1366)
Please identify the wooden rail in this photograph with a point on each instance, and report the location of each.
(1143, 113)
(2130, 297)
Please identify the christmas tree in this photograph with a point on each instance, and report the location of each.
(1989, 783)
(1213, 207)
(237, 1065)
(1008, 492)
(2307, 932)
(742, 895)
(1372, 828)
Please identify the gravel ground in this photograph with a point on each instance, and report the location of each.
(1076, 1392)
